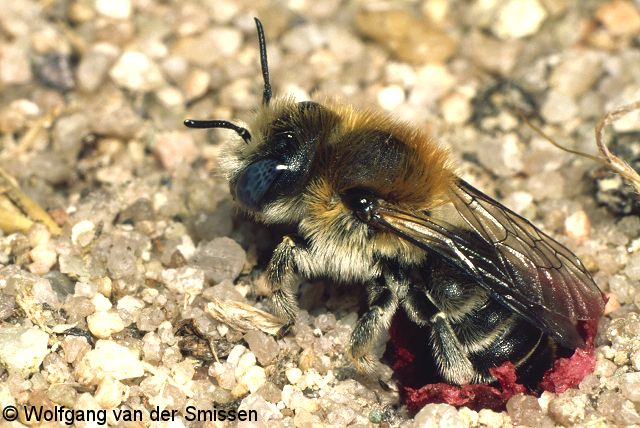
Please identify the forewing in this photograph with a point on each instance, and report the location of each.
(524, 268)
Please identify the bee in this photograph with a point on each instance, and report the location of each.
(376, 202)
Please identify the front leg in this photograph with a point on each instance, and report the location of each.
(282, 275)
(383, 303)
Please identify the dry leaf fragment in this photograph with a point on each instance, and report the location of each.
(18, 212)
(243, 317)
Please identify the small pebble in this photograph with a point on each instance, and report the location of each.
(558, 107)
(630, 386)
(101, 303)
(620, 17)
(519, 18)
(245, 362)
(135, 71)
(118, 9)
(437, 415)
(43, 293)
(104, 324)
(130, 304)
(407, 37)
(578, 226)
(83, 232)
(221, 259)
(234, 355)
(570, 408)
(74, 348)
(391, 97)
(266, 411)
(577, 73)
(456, 108)
(184, 280)
(110, 393)
(175, 148)
(294, 375)
(254, 378)
(62, 394)
(22, 350)
(263, 346)
(94, 66)
(525, 410)
(109, 359)
(224, 375)
(489, 418)
(15, 68)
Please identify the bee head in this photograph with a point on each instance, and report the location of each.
(277, 165)
(276, 159)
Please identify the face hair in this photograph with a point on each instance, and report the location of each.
(266, 94)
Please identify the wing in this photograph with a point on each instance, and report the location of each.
(524, 268)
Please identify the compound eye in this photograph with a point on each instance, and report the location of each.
(256, 180)
(362, 202)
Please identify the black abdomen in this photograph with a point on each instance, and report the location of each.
(471, 332)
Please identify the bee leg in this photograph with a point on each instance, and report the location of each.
(383, 302)
(449, 354)
(282, 274)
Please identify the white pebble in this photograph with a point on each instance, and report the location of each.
(391, 97)
(110, 393)
(22, 350)
(630, 122)
(43, 258)
(170, 97)
(223, 374)
(558, 107)
(85, 289)
(83, 232)
(118, 9)
(578, 226)
(109, 359)
(519, 18)
(235, 354)
(630, 386)
(519, 201)
(635, 360)
(135, 71)
(104, 324)
(130, 304)
(254, 378)
(456, 108)
(294, 375)
(247, 361)
(184, 280)
(101, 303)
(42, 292)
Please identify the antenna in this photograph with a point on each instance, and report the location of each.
(266, 93)
(206, 124)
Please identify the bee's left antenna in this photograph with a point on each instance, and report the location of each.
(206, 124)
(266, 93)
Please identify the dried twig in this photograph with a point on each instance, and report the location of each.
(607, 158)
(613, 161)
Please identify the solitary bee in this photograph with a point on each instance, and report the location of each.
(377, 202)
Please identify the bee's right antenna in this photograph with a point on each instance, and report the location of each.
(206, 124)
(266, 93)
